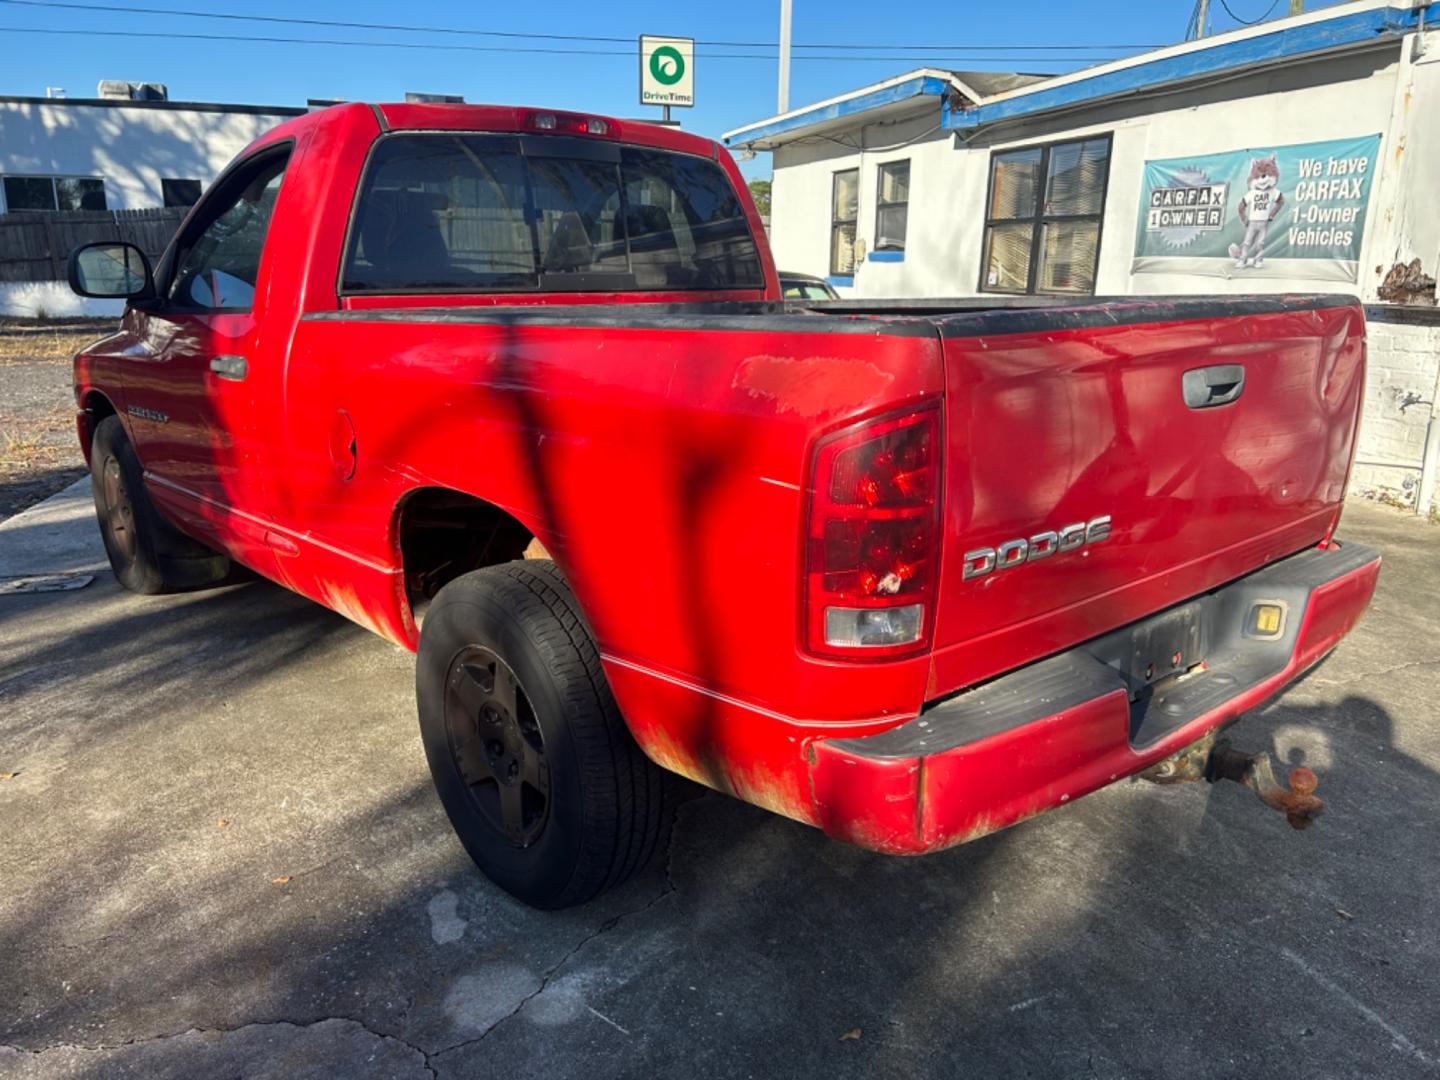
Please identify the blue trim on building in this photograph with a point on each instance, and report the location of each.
(841, 281)
(885, 256)
(920, 86)
(1294, 41)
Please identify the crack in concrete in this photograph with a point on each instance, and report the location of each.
(1378, 674)
(554, 969)
(604, 928)
(165, 1036)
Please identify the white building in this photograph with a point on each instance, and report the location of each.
(119, 152)
(1129, 178)
(130, 148)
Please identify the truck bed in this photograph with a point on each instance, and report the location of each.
(1055, 411)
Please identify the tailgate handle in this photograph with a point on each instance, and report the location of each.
(1207, 387)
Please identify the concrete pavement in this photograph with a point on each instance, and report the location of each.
(220, 856)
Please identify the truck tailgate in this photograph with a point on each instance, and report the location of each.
(1058, 418)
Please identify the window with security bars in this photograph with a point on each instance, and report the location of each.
(1042, 221)
(844, 213)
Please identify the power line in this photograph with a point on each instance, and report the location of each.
(273, 40)
(1249, 22)
(74, 5)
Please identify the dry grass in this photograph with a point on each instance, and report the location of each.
(28, 446)
(28, 342)
(38, 457)
(38, 450)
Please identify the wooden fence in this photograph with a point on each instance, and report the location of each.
(34, 245)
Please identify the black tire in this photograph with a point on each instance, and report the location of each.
(583, 807)
(147, 553)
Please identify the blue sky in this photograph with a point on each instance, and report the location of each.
(729, 91)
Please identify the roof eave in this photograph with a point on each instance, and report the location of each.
(787, 127)
(1207, 62)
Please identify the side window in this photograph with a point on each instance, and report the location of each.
(218, 260)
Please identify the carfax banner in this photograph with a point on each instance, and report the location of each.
(1285, 211)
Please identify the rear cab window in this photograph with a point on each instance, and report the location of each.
(442, 212)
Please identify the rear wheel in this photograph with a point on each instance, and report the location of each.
(146, 552)
(542, 781)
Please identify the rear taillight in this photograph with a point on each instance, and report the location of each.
(872, 537)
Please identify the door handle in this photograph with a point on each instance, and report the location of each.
(1207, 387)
(229, 367)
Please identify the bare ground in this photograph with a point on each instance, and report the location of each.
(38, 451)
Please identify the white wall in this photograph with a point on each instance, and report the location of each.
(1404, 366)
(132, 146)
(51, 299)
(1381, 90)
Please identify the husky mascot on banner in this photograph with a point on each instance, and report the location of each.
(1259, 206)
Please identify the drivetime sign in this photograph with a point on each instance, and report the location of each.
(667, 71)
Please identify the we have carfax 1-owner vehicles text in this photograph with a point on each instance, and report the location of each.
(909, 573)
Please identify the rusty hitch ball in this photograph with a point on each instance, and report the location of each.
(1214, 760)
(1298, 802)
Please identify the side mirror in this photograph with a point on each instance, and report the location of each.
(111, 270)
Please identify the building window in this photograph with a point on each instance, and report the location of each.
(1042, 224)
(80, 193)
(892, 205)
(54, 193)
(844, 212)
(180, 192)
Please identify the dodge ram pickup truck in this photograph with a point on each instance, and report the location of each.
(517, 389)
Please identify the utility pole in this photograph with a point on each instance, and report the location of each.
(1297, 7)
(1203, 18)
(783, 99)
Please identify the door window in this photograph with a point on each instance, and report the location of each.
(218, 260)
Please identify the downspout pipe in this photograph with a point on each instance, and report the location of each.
(1430, 464)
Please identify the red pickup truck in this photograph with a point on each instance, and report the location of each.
(517, 389)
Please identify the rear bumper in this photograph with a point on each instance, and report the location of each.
(1063, 727)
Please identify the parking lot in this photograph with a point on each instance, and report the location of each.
(222, 856)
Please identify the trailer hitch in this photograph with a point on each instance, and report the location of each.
(1212, 760)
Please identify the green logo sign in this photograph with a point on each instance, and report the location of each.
(667, 66)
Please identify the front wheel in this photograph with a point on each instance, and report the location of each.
(542, 781)
(146, 552)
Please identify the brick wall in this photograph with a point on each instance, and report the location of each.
(1404, 358)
